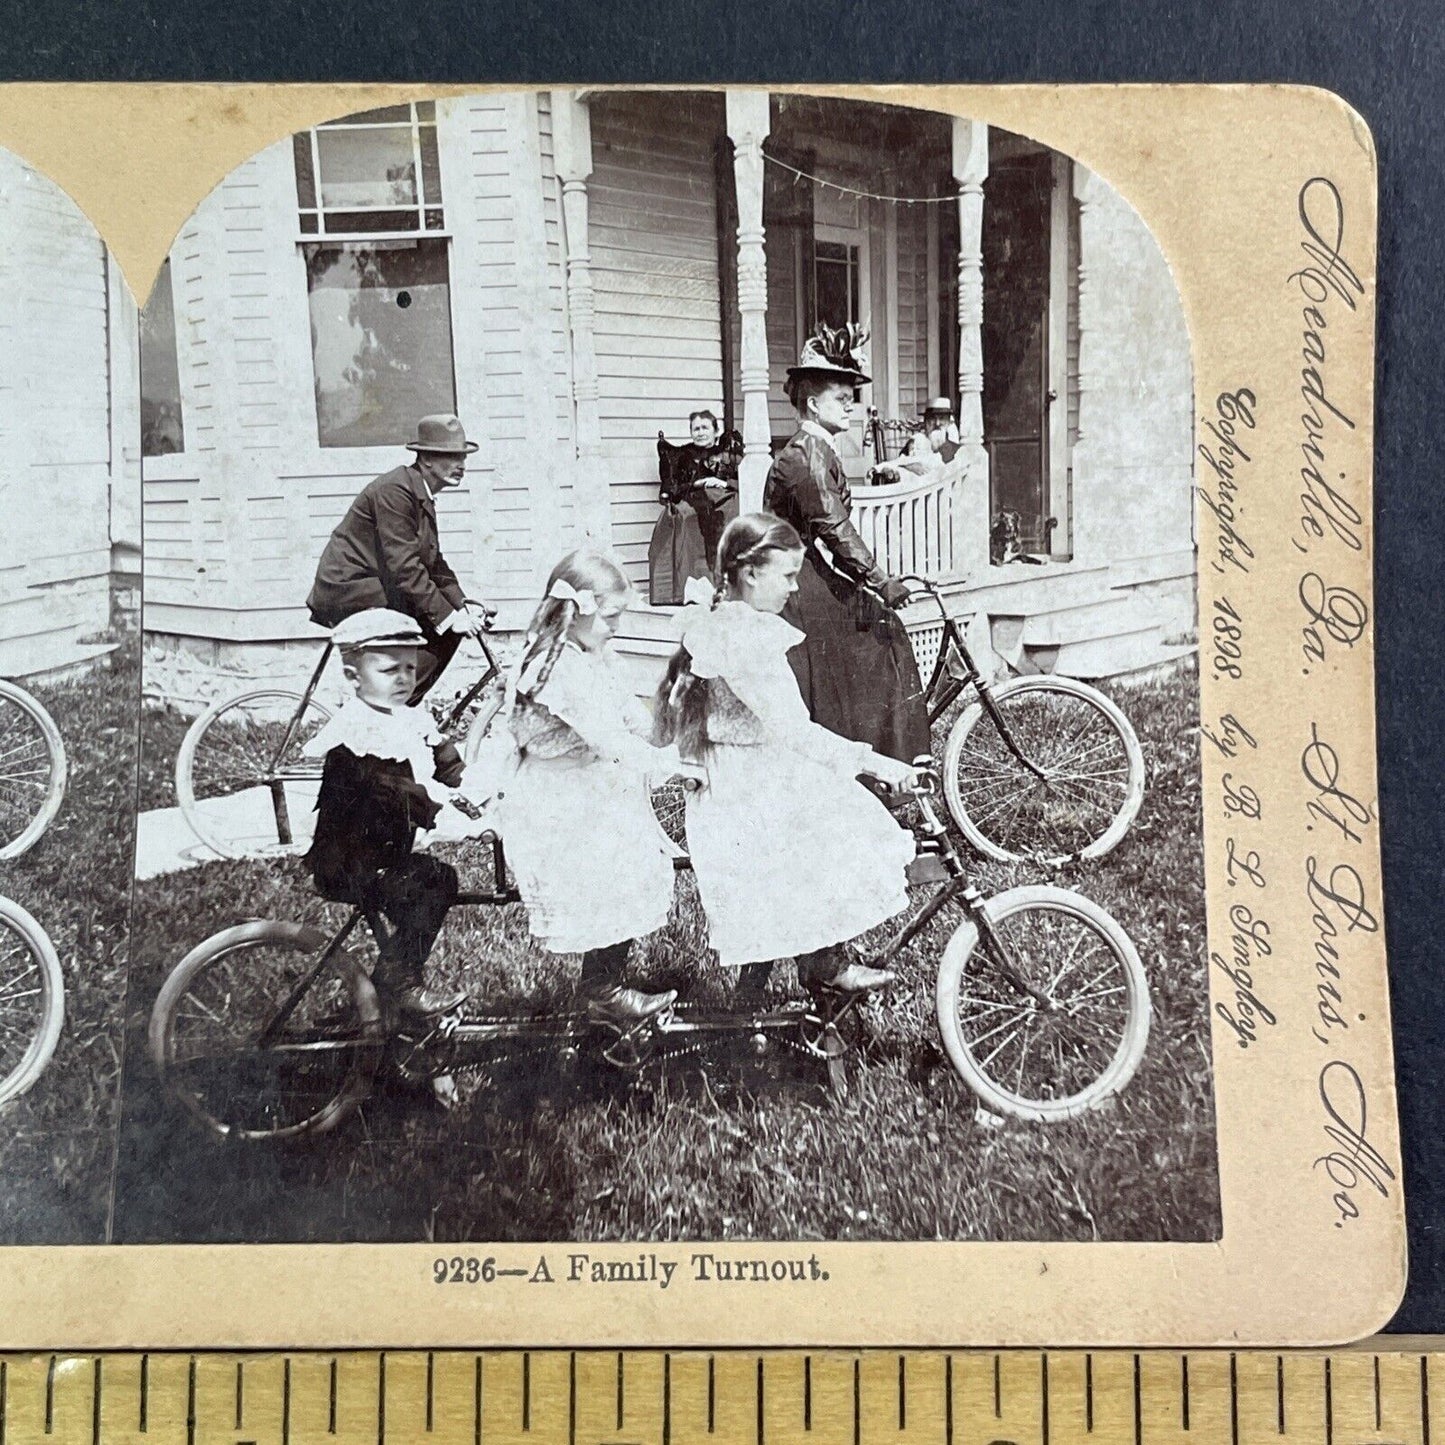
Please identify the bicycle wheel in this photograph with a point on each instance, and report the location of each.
(32, 1000)
(669, 807)
(206, 1027)
(32, 770)
(1086, 793)
(227, 762)
(1047, 1015)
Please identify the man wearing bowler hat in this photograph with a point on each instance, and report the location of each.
(385, 552)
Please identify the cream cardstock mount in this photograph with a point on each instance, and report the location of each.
(1262, 200)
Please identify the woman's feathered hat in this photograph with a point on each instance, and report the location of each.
(835, 351)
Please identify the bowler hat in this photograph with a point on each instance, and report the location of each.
(939, 406)
(441, 433)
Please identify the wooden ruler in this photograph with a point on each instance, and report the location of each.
(1358, 1396)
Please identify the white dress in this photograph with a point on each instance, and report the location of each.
(590, 860)
(791, 852)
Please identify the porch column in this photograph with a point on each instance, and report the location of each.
(572, 146)
(747, 122)
(970, 169)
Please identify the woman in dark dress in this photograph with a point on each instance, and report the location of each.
(856, 667)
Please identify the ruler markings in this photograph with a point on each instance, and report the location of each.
(1329, 1405)
(96, 1386)
(477, 1401)
(1039, 1398)
(948, 1400)
(191, 1401)
(760, 1400)
(1424, 1400)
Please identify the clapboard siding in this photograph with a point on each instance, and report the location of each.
(653, 237)
(55, 423)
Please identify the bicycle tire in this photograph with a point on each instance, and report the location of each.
(1033, 903)
(23, 940)
(1069, 827)
(238, 1115)
(37, 801)
(219, 827)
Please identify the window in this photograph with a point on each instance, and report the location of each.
(162, 426)
(835, 282)
(378, 283)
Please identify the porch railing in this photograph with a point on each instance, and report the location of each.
(908, 525)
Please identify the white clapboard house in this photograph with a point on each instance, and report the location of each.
(574, 272)
(70, 489)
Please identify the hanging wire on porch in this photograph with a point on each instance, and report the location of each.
(854, 191)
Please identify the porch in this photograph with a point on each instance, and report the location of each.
(755, 217)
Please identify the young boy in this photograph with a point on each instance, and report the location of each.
(386, 774)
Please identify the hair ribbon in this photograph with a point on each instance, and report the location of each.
(583, 598)
(698, 592)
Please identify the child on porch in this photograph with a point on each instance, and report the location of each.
(792, 855)
(589, 858)
(387, 773)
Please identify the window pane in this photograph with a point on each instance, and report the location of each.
(343, 223)
(162, 430)
(426, 110)
(367, 167)
(832, 285)
(305, 179)
(431, 175)
(381, 339)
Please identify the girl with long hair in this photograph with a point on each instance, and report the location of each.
(589, 859)
(793, 855)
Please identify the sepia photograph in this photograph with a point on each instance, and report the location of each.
(669, 689)
(70, 598)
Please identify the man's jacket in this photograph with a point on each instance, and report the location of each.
(385, 553)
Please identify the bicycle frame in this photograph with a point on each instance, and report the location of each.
(629, 1048)
(277, 778)
(945, 685)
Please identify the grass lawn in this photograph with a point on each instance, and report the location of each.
(732, 1148)
(57, 1141)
